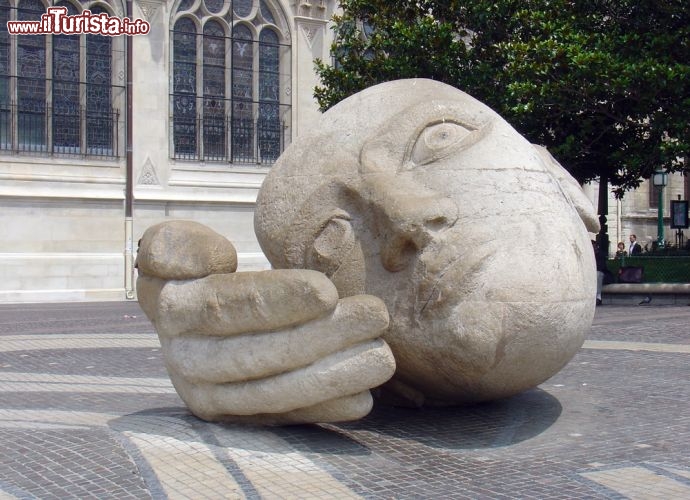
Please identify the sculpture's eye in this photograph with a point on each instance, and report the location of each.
(439, 140)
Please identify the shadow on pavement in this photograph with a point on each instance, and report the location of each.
(177, 424)
(486, 425)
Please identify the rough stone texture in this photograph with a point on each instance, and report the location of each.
(273, 347)
(390, 205)
(399, 192)
(87, 411)
(183, 250)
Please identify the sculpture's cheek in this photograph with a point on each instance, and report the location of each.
(489, 349)
(497, 318)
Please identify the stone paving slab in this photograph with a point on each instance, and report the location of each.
(87, 411)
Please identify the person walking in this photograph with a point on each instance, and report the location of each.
(621, 250)
(600, 259)
(634, 248)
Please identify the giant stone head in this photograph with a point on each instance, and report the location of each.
(475, 239)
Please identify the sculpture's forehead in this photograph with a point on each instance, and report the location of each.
(382, 122)
(396, 105)
(374, 132)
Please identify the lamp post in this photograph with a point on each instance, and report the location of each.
(660, 179)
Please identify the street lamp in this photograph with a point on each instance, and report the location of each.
(660, 179)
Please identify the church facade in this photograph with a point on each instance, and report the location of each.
(103, 136)
(637, 213)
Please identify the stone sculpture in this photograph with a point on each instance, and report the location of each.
(412, 201)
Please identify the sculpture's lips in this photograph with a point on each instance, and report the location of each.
(491, 273)
(449, 274)
(429, 292)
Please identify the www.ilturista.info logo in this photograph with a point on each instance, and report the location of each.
(57, 22)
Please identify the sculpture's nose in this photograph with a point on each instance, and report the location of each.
(411, 225)
(408, 218)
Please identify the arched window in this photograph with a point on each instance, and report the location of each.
(184, 88)
(5, 122)
(66, 105)
(31, 82)
(214, 91)
(229, 62)
(100, 116)
(57, 92)
(242, 94)
(269, 97)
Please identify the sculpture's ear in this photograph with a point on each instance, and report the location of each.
(571, 189)
(332, 243)
(321, 235)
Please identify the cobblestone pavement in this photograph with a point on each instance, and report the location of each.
(87, 411)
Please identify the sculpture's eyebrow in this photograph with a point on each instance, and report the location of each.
(441, 111)
(388, 147)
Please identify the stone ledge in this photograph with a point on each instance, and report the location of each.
(68, 295)
(646, 294)
(647, 288)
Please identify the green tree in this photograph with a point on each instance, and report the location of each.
(604, 84)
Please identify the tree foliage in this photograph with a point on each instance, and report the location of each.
(604, 84)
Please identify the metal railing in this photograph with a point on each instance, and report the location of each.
(655, 269)
(73, 131)
(226, 139)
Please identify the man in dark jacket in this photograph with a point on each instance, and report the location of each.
(634, 248)
(601, 269)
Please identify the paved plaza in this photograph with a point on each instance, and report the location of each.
(87, 411)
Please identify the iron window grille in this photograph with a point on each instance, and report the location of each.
(226, 81)
(57, 93)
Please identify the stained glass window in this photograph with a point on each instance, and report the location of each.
(214, 6)
(5, 117)
(242, 7)
(242, 94)
(185, 5)
(269, 99)
(66, 119)
(266, 13)
(57, 91)
(225, 99)
(184, 88)
(99, 113)
(214, 91)
(31, 81)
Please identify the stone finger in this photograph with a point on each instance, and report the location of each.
(181, 250)
(347, 372)
(343, 409)
(232, 304)
(148, 293)
(245, 357)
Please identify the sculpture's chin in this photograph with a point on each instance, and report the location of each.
(490, 320)
(488, 328)
(488, 350)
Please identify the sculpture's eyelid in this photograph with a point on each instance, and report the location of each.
(469, 126)
(339, 214)
(473, 135)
